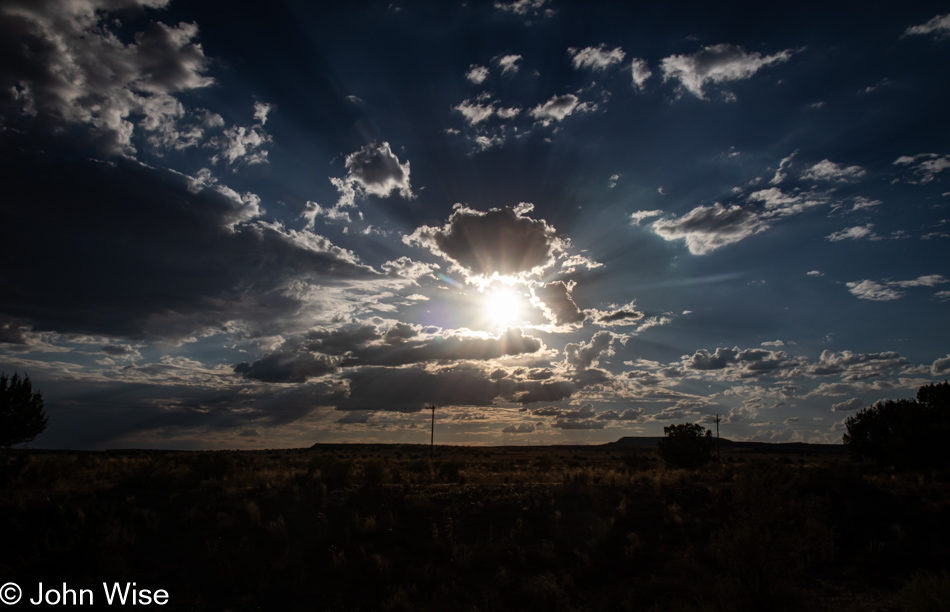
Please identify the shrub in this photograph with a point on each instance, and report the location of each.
(686, 446)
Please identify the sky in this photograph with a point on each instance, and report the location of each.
(246, 225)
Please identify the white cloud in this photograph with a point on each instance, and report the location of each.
(613, 181)
(930, 280)
(716, 64)
(782, 167)
(854, 233)
(595, 58)
(925, 165)
(890, 290)
(939, 26)
(640, 215)
(869, 290)
(73, 67)
(261, 111)
(559, 107)
(509, 63)
(373, 170)
(827, 170)
(707, 228)
(477, 74)
(640, 72)
(525, 7)
(475, 112)
(815, 273)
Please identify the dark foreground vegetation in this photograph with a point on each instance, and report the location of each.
(388, 528)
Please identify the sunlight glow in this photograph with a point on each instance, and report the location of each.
(503, 307)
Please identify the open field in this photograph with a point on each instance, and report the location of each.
(387, 527)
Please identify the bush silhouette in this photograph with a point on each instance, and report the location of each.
(903, 434)
(22, 417)
(686, 445)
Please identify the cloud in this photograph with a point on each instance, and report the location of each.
(716, 64)
(618, 315)
(851, 404)
(827, 170)
(323, 351)
(520, 428)
(504, 241)
(509, 63)
(630, 414)
(870, 290)
(531, 8)
(742, 363)
(854, 233)
(926, 166)
(65, 61)
(595, 58)
(141, 251)
(815, 273)
(373, 170)
(556, 302)
(640, 215)
(855, 366)
(559, 107)
(284, 367)
(241, 144)
(409, 389)
(941, 366)
(586, 424)
(477, 74)
(707, 228)
(482, 108)
(640, 72)
(939, 26)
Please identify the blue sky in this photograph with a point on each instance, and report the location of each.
(229, 226)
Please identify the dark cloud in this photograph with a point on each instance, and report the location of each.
(520, 428)
(373, 170)
(126, 250)
(559, 307)
(747, 362)
(511, 342)
(503, 241)
(65, 64)
(284, 367)
(410, 389)
(630, 414)
(587, 424)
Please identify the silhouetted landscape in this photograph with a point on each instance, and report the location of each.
(389, 527)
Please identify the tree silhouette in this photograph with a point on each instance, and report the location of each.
(686, 445)
(903, 434)
(22, 417)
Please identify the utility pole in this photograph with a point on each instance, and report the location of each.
(432, 436)
(718, 447)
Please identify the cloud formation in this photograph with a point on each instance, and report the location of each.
(559, 107)
(187, 254)
(707, 228)
(939, 26)
(716, 64)
(597, 58)
(373, 170)
(66, 61)
(503, 241)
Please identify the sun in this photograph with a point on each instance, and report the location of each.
(503, 307)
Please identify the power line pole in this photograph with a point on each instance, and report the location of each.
(432, 436)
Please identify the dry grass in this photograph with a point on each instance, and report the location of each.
(390, 528)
